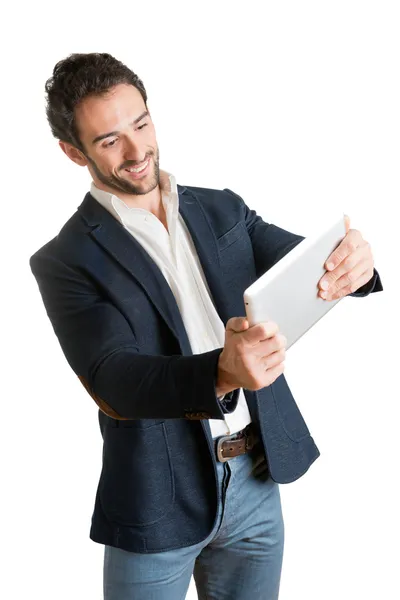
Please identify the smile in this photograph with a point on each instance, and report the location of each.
(138, 169)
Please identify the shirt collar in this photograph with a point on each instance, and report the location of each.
(122, 212)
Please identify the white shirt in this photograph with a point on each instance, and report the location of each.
(174, 253)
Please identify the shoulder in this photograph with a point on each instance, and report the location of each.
(65, 244)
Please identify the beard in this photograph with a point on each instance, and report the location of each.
(149, 183)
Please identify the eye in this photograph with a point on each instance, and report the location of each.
(110, 143)
(141, 127)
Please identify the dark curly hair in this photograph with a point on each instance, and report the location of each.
(76, 77)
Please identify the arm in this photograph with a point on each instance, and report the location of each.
(101, 348)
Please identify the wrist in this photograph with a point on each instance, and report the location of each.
(225, 382)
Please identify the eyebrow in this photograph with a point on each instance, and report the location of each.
(110, 133)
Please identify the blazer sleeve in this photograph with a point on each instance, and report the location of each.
(101, 348)
(271, 243)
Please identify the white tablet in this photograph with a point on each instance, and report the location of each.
(288, 292)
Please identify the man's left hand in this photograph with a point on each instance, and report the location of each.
(349, 267)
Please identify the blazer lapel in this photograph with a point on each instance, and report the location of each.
(206, 246)
(118, 242)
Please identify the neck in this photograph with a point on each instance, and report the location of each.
(150, 201)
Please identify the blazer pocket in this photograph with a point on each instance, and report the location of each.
(231, 236)
(136, 484)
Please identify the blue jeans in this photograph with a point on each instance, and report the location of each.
(241, 559)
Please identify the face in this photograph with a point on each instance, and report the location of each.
(118, 136)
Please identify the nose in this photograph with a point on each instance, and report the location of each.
(132, 151)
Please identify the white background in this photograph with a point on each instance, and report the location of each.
(293, 105)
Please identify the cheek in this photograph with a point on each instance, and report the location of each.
(111, 163)
(150, 138)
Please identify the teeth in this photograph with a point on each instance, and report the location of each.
(133, 170)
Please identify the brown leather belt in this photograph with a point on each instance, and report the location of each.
(229, 446)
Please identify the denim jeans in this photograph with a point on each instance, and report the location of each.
(241, 559)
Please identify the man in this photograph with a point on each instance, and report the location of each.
(143, 286)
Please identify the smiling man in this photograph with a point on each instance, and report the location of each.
(124, 161)
(143, 286)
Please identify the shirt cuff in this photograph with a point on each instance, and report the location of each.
(229, 401)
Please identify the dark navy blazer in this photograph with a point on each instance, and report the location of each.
(121, 331)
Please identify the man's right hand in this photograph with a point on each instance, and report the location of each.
(252, 357)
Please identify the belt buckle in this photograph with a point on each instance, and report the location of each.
(219, 448)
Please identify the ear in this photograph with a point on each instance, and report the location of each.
(73, 153)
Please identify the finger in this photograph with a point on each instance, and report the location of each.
(273, 373)
(364, 275)
(365, 278)
(273, 359)
(263, 331)
(274, 344)
(349, 243)
(345, 267)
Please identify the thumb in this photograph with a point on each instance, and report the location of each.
(237, 324)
